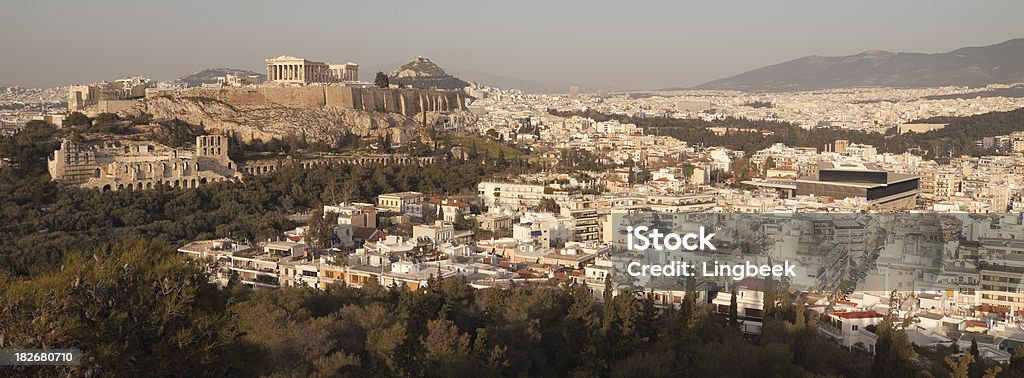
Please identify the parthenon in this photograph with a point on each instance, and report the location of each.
(291, 70)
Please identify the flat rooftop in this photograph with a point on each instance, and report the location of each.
(849, 166)
(402, 194)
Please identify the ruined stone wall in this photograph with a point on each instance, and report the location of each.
(264, 166)
(114, 106)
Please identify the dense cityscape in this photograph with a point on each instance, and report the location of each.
(317, 219)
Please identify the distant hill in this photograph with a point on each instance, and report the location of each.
(968, 66)
(422, 73)
(500, 81)
(210, 75)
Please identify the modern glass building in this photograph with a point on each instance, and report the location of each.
(848, 179)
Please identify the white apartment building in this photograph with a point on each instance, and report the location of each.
(511, 195)
(546, 229)
(848, 328)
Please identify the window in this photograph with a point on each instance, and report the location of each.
(855, 327)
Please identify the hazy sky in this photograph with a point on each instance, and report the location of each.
(629, 44)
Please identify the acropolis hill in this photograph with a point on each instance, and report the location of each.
(319, 101)
(321, 113)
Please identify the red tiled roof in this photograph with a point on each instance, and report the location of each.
(366, 233)
(973, 323)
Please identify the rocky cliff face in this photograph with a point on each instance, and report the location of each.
(321, 124)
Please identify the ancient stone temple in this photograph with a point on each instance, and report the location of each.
(291, 70)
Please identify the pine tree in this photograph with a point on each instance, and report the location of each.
(1016, 367)
(733, 310)
(769, 296)
(893, 351)
(801, 319)
(381, 80)
(978, 367)
(688, 309)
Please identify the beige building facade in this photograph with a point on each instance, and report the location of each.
(135, 165)
(83, 97)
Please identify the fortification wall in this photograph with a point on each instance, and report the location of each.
(296, 97)
(407, 102)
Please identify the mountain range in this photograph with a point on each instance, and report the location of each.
(968, 66)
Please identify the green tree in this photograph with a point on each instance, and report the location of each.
(770, 293)
(381, 80)
(1016, 367)
(960, 366)
(321, 229)
(77, 119)
(893, 352)
(769, 163)
(549, 205)
(447, 350)
(107, 118)
(978, 367)
(734, 318)
(122, 305)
